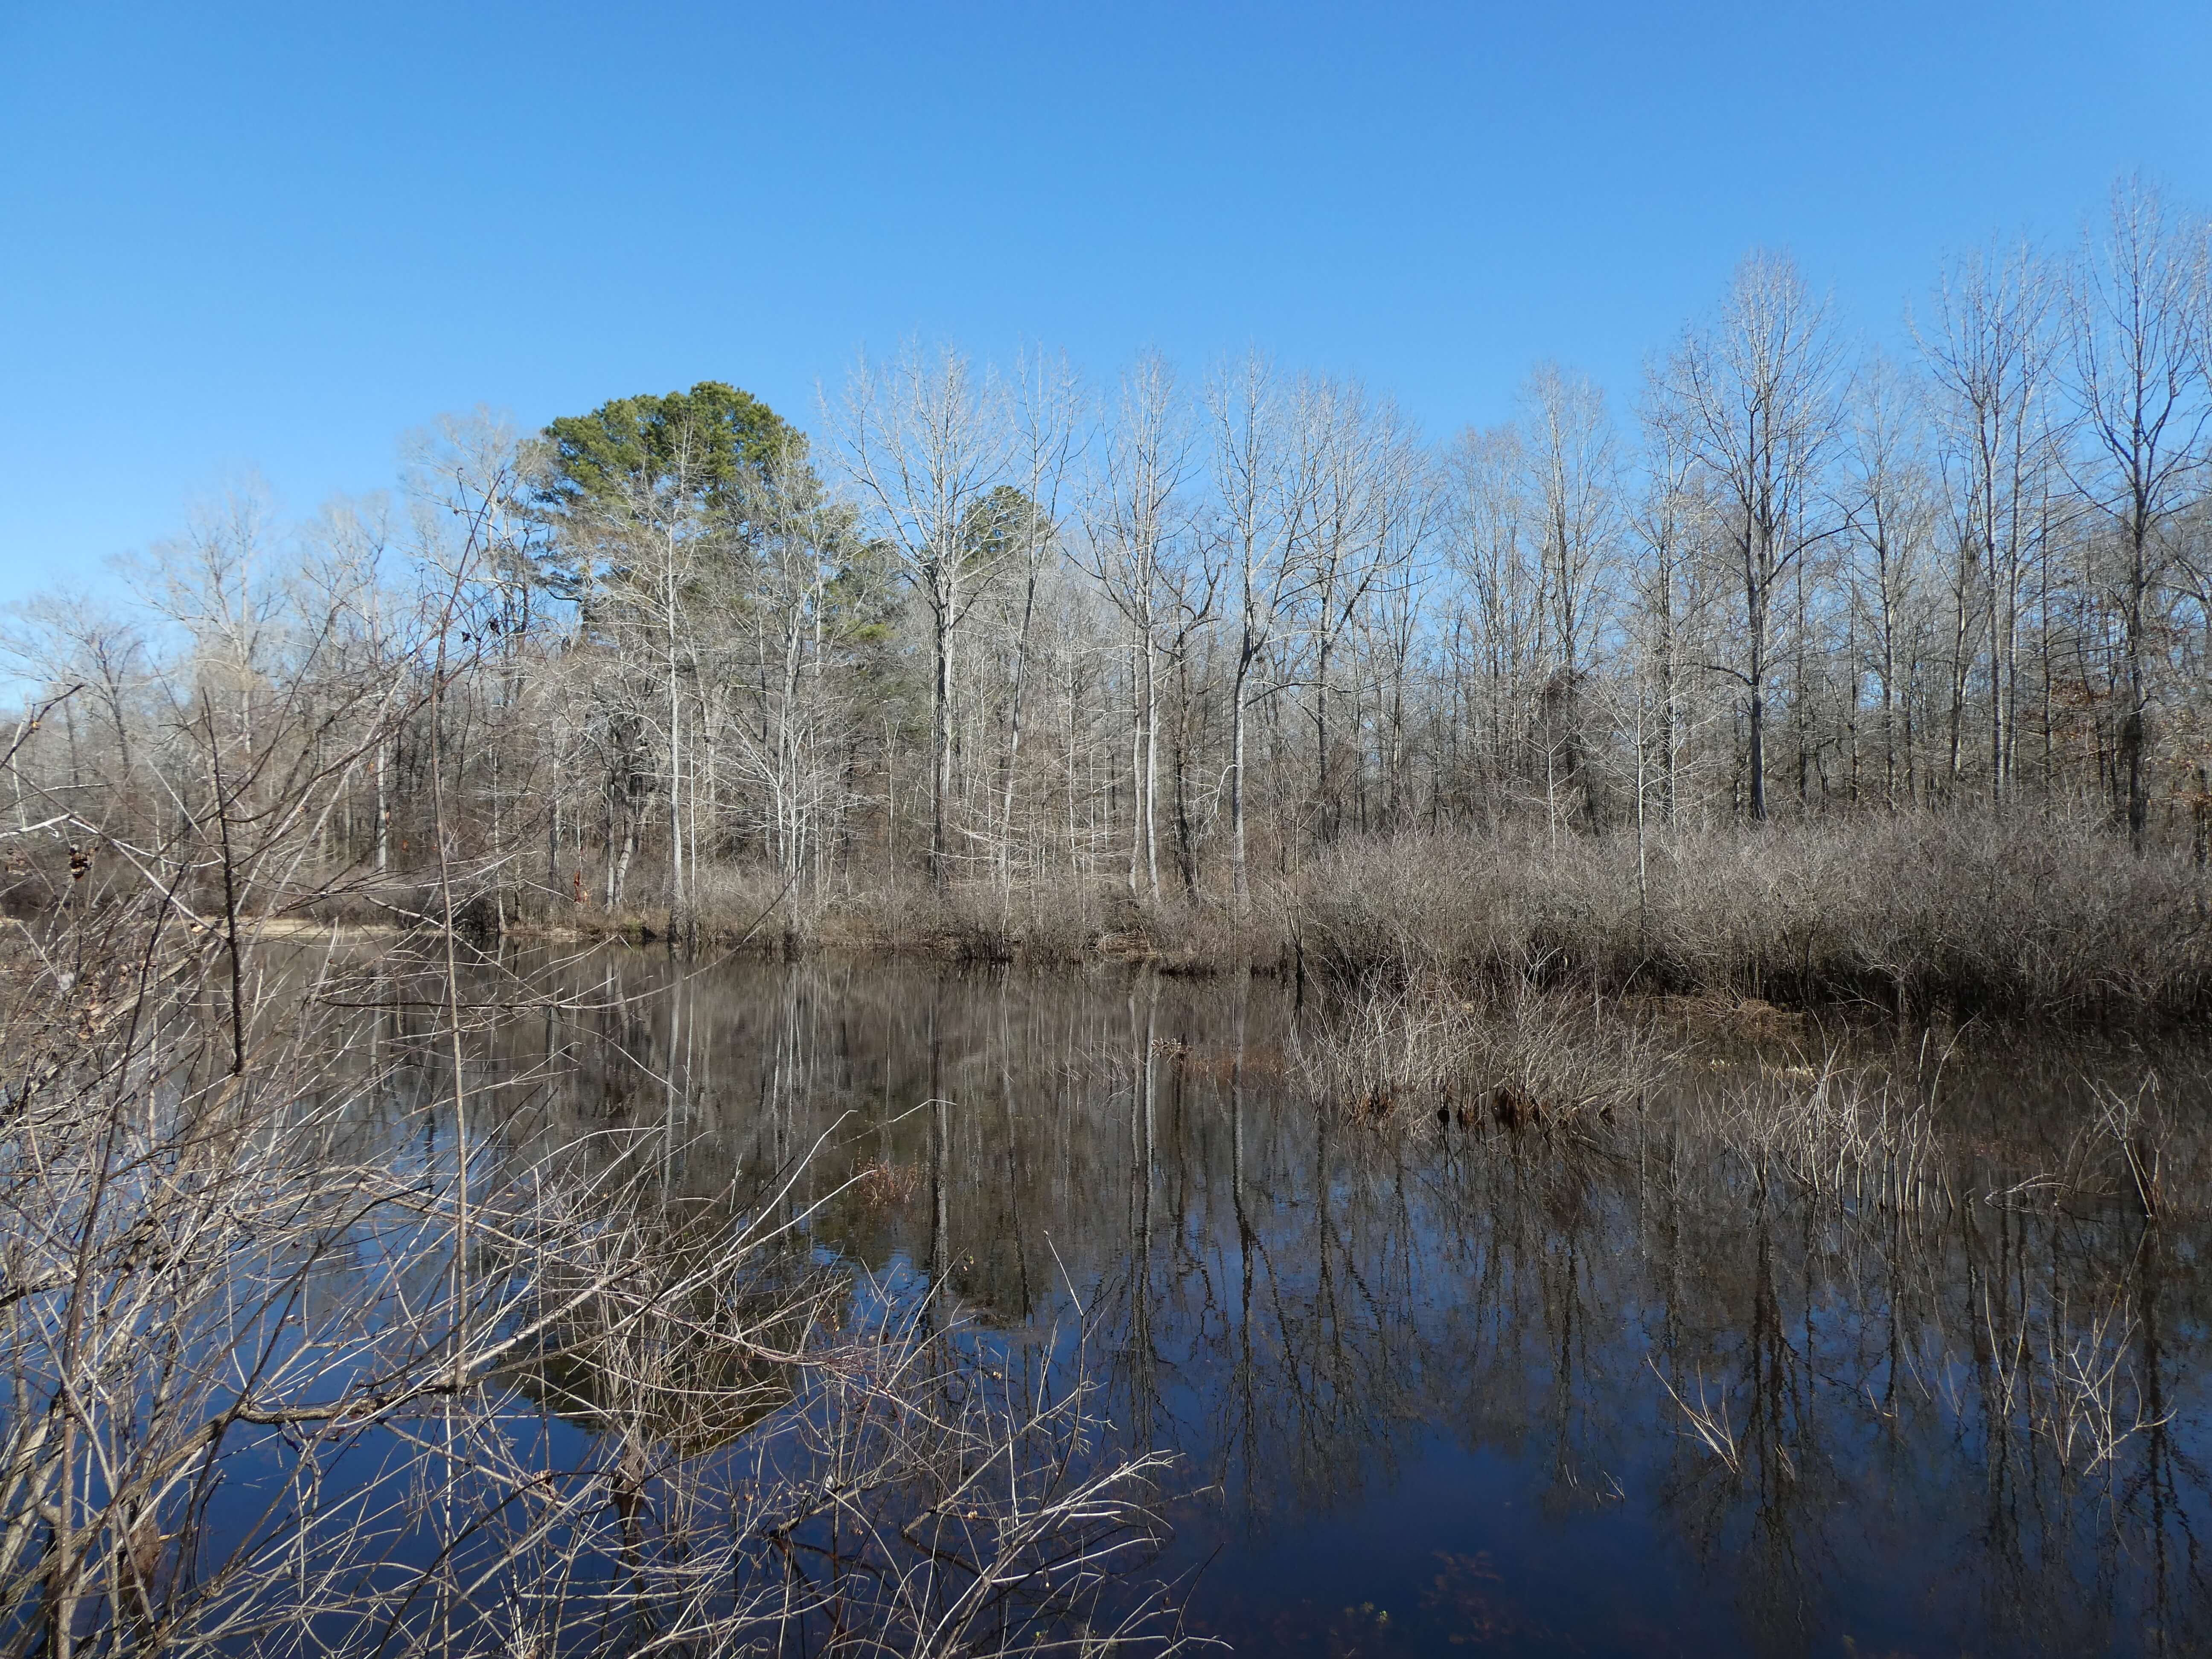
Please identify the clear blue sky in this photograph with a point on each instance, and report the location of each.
(274, 236)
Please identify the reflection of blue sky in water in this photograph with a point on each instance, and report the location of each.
(1420, 1373)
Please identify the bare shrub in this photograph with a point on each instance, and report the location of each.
(294, 1363)
(1521, 1058)
(1833, 1133)
(1908, 912)
(2122, 1150)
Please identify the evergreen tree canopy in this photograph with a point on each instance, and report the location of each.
(704, 445)
(999, 527)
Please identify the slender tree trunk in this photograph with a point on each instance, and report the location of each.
(2133, 721)
(1755, 759)
(1240, 884)
(1152, 769)
(940, 785)
(1137, 813)
(383, 806)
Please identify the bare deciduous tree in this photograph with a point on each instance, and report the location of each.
(1753, 398)
(2135, 308)
(927, 443)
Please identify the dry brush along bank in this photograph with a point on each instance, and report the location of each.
(1908, 916)
(1911, 914)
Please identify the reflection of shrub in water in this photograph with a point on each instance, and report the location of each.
(2065, 1362)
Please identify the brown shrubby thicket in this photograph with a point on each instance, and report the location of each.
(1911, 914)
(1422, 1050)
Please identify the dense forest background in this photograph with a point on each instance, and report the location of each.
(995, 629)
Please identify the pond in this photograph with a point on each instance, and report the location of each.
(1675, 1384)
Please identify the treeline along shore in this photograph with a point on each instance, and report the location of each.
(1805, 671)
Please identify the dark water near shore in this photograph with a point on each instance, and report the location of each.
(1436, 1388)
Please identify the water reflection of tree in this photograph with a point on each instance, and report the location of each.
(1297, 1302)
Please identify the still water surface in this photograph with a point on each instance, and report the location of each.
(1436, 1388)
